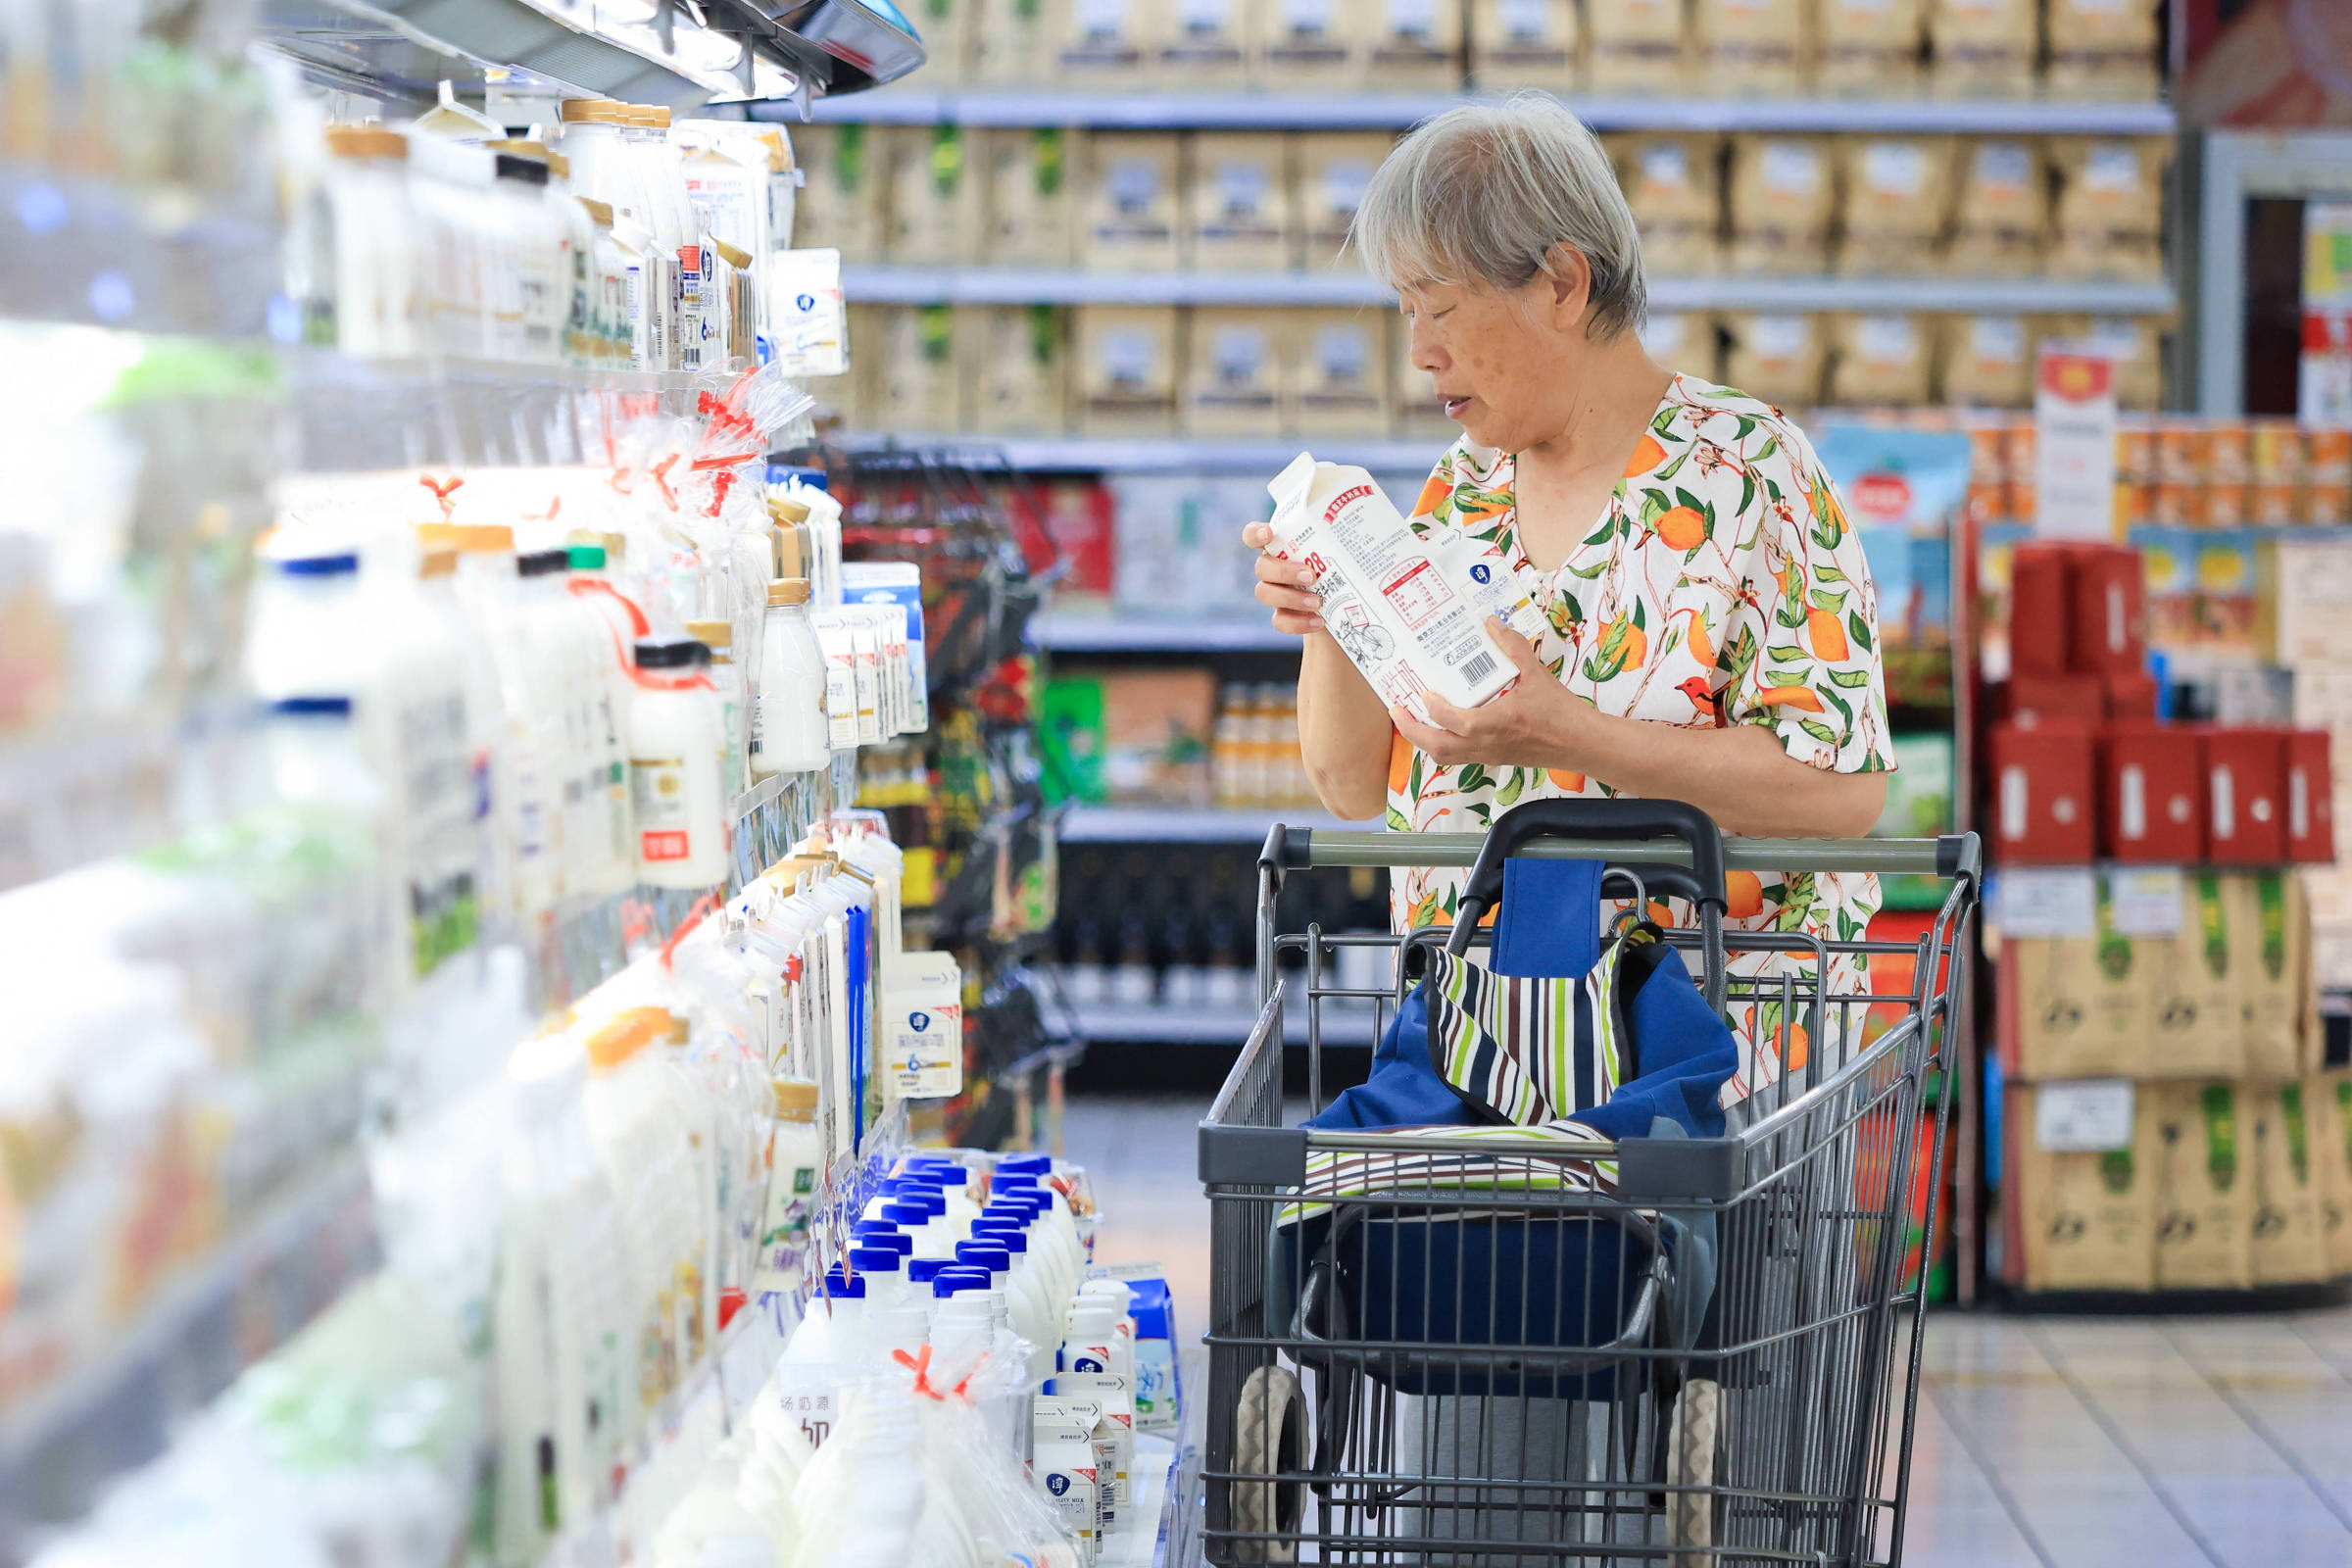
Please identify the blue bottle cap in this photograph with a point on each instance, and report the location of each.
(899, 1213)
(994, 1259)
(923, 1270)
(1003, 1233)
(840, 1284)
(874, 1259)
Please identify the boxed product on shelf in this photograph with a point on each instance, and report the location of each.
(1784, 202)
(1333, 168)
(935, 185)
(2271, 916)
(1124, 382)
(1314, 45)
(1869, 48)
(1209, 43)
(1636, 46)
(1414, 46)
(2245, 805)
(2305, 595)
(1110, 45)
(1016, 42)
(2102, 49)
(1753, 46)
(1674, 185)
(1132, 735)
(1774, 357)
(2000, 203)
(852, 394)
(1880, 359)
(1236, 370)
(1681, 340)
(1080, 518)
(2198, 980)
(919, 375)
(1523, 43)
(1021, 384)
(2328, 1121)
(1896, 190)
(1984, 48)
(2290, 1243)
(2042, 801)
(2151, 792)
(948, 28)
(2076, 1006)
(2204, 1197)
(1130, 202)
(1029, 176)
(1237, 210)
(2080, 1217)
(1178, 544)
(841, 204)
(1338, 382)
(2109, 208)
(1988, 361)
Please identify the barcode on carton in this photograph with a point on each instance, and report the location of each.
(1479, 668)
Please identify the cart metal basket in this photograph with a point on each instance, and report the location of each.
(1526, 1349)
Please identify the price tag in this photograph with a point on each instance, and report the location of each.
(810, 1396)
(2044, 902)
(2145, 900)
(2083, 1118)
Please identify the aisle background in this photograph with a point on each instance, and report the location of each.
(2042, 1443)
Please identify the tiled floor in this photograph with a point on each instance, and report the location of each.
(2042, 1443)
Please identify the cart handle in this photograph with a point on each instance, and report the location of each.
(1581, 821)
(1953, 855)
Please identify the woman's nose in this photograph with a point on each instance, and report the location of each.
(1427, 353)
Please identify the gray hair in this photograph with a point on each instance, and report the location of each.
(1481, 194)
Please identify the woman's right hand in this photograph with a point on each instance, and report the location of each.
(1283, 586)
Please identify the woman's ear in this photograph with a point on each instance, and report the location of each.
(1571, 277)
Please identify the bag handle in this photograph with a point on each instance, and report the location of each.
(1613, 818)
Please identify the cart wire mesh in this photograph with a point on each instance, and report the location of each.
(1513, 1349)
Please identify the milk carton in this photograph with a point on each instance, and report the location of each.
(1409, 613)
(1062, 1460)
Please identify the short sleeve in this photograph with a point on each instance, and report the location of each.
(1801, 653)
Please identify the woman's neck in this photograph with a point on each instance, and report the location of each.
(1617, 389)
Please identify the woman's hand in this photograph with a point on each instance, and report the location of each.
(1536, 722)
(1285, 586)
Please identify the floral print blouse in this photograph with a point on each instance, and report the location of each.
(1724, 586)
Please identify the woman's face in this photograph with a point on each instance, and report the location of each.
(1505, 365)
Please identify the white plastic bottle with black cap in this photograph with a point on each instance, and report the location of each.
(674, 747)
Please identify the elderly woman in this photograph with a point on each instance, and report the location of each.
(1710, 634)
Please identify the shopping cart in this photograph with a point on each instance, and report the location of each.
(1529, 1350)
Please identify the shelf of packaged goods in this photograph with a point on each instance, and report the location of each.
(1187, 824)
(1238, 634)
(1175, 1024)
(1396, 110)
(98, 253)
(1202, 454)
(222, 1311)
(989, 286)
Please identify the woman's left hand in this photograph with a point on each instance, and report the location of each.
(1536, 722)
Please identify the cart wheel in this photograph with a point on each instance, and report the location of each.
(1268, 1440)
(1691, 1462)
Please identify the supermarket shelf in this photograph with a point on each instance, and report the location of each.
(1124, 634)
(1396, 111)
(96, 252)
(1113, 454)
(1159, 1024)
(1179, 824)
(981, 286)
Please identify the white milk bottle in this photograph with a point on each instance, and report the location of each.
(727, 680)
(673, 767)
(789, 733)
(621, 1107)
(1410, 615)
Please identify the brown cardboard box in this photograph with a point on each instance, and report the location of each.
(935, 196)
(842, 202)
(2000, 209)
(1338, 380)
(1414, 46)
(1675, 187)
(2110, 209)
(1784, 198)
(1984, 48)
(1779, 359)
(2271, 935)
(1753, 46)
(1017, 43)
(1129, 203)
(1239, 203)
(2327, 1119)
(1125, 375)
(1882, 359)
(1211, 44)
(2101, 27)
(1021, 384)
(1635, 46)
(1869, 48)
(1316, 45)
(1333, 170)
(854, 396)
(2074, 1008)
(2204, 1192)
(919, 384)
(1234, 366)
(1898, 189)
(1030, 173)
(1156, 726)
(1988, 361)
(1111, 45)
(2291, 1248)
(1524, 43)
(2195, 984)
(946, 26)
(2080, 1220)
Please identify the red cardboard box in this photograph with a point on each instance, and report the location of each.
(2037, 606)
(2041, 795)
(2107, 620)
(2245, 796)
(2056, 700)
(2310, 798)
(2152, 793)
(2131, 694)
